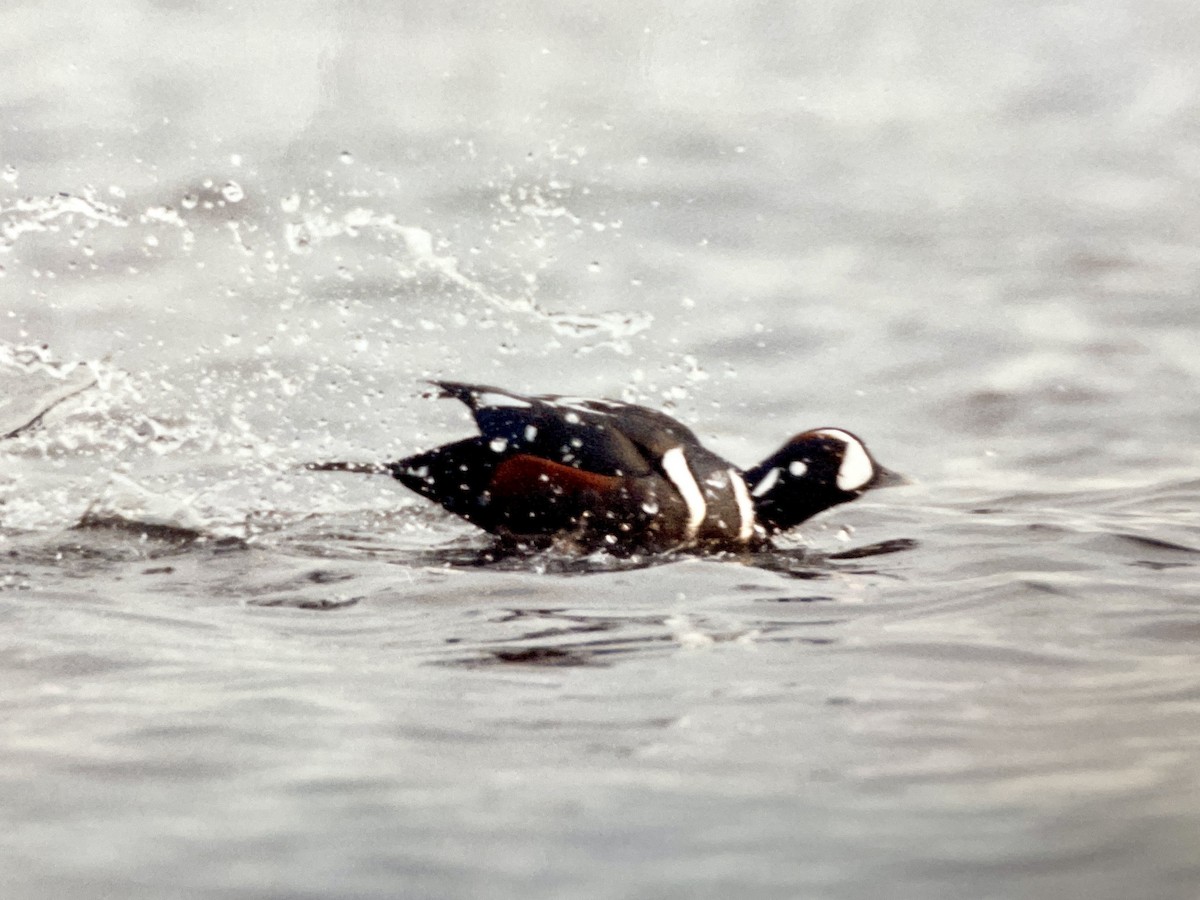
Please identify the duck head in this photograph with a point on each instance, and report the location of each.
(810, 473)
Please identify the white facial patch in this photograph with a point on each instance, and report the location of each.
(744, 504)
(765, 484)
(856, 468)
(675, 464)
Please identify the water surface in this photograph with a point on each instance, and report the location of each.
(233, 241)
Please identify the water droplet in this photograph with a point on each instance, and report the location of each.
(290, 203)
(346, 157)
(298, 237)
(189, 201)
(594, 267)
(235, 159)
(498, 445)
(10, 174)
(650, 508)
(232, 192)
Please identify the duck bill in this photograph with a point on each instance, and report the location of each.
(888, 478)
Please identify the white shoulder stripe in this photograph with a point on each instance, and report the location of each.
(745, 505)
(675, 464)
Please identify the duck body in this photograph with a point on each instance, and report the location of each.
(606, 474)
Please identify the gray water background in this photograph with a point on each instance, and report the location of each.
(966, 231)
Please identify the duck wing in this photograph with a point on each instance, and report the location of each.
(585, 434)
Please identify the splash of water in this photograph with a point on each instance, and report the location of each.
(613, 329)
(39, 214)
(33, 384)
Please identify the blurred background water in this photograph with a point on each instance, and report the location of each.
(234, 238)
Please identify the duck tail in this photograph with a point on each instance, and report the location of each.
(362, 468)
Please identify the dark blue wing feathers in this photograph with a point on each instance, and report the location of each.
(586, 435)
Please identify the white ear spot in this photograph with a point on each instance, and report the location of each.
(856, 469)
(797, 469)
(765, 484)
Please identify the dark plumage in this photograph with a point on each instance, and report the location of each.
(604, 473)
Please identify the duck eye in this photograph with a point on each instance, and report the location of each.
(797, 468)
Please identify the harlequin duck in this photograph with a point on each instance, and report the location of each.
(606, 474)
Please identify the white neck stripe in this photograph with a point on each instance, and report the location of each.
(744, 504)
(675, 464)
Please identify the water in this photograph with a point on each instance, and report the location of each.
(235, 240)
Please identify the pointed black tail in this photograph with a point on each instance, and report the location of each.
(363, 468)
